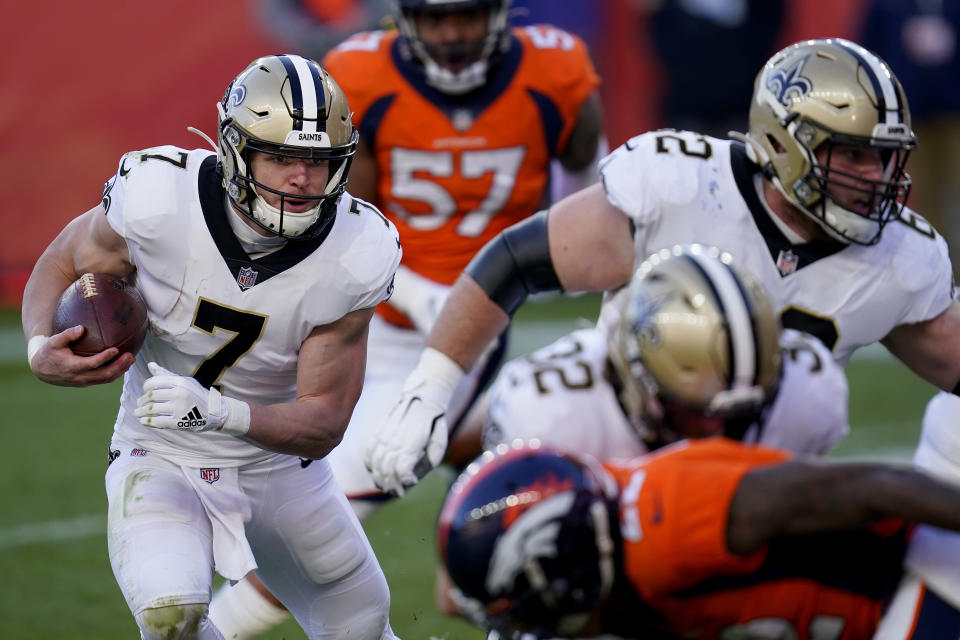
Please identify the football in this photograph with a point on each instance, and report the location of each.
(111, 311)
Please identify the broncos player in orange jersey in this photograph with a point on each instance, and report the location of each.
(708, 538)
(460, 118)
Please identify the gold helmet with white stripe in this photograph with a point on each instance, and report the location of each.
(696, 348)
(832, 92)
(285, 106)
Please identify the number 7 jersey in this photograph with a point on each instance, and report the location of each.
(453, 171)
(219, 315)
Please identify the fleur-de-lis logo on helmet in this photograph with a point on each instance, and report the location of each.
(641, 318)
(237, 93)
(787, 84)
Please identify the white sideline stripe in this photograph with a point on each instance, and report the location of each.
(53, 531)
(96, 524)
(525, 337)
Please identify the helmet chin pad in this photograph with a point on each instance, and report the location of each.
(885, 199)
(455, 82)
(281, 222)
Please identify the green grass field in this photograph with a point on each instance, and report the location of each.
(56, 579)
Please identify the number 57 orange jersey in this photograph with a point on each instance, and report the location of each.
(453, 171)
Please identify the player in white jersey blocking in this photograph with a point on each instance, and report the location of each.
(260, 276)
(810, 201)
(699, 326)
(567, 394)
(811, 205)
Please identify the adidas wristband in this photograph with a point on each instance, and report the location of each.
(441, 370)
(236, 413)
(238, 417)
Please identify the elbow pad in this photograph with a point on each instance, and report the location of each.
(516, 263)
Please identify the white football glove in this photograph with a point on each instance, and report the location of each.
(413, 438)
(418, 297)
(177, 402)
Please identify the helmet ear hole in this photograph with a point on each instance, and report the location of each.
(775, 145)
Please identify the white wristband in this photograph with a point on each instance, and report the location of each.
(238, 417)
(34, 345)
(439, 367)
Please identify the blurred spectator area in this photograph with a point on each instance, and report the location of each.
(82, 83)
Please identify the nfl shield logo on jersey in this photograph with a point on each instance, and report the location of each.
(462, 119)
(247, 277)
(210, 475)
(787, 262)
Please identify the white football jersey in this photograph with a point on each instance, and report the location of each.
(562, 395)
(215, 313)
(678, 187)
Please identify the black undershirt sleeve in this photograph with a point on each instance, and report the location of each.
(516, 263)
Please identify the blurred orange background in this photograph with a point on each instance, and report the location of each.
(83, 82)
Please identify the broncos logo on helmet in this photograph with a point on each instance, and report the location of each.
(527, 533)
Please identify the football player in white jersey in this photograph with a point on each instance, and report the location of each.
(810, 201)
(260, 276)
(566, 394)
(810, 204)
(696, 324)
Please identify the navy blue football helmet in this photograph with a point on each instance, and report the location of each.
(456, 67)
(528, 533)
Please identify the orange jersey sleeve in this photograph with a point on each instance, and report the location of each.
(674, 506)
(674, 509)
(454, 171)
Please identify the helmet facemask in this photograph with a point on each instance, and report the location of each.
(824, 96)
(455, 67)
(882, 199)
(266, 100)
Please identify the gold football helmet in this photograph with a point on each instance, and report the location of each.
(288, 106)
(831, 92)
(696, 342)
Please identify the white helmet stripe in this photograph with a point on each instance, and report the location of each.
(890, 105)
(737, 311)
(308, 92)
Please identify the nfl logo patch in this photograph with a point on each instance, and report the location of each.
(247, 277)
(462, 119)
(210, 475)
(787, 262)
